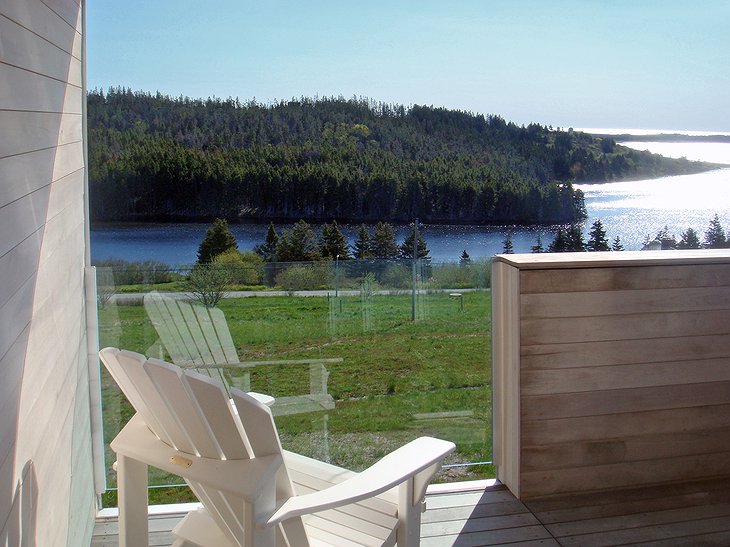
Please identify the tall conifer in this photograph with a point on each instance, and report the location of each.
(218, 239)
(362, 247)
(383, 243)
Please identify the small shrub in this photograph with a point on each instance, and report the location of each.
(147, 272)
(208, 283)
(245, 268)
(396, 276)
(303, 277)
(475, 274)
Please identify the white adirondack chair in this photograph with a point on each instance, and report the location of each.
(198, 337)
(254, 494)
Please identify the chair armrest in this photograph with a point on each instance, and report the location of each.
(243, 478)
(397, 467)
(251, 364)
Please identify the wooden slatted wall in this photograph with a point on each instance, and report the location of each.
(624, 371)
(46, 490)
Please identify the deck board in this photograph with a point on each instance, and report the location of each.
(684, 514)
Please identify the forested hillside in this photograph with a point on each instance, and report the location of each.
(152, 157)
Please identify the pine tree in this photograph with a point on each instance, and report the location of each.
(560, 243)
(665, 239)
(406, 249)
(465, 259)
(507, 247)
(689, 240)
(616, 245)
(597, 240)
(218, 239)
(362, 248)
(267, 250)
(537, 247)
(383, 243)
(575, 239)
(299, 244)
(332, 243)
(715, 235)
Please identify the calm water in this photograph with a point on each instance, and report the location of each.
(630, 210)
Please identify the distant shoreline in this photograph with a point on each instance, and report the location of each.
(662, 137)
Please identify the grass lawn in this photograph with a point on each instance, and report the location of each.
(399, 378)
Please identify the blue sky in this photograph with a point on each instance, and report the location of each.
(660, 64)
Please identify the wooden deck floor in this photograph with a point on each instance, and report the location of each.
(692, 514)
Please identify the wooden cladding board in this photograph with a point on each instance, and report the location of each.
(623, 370)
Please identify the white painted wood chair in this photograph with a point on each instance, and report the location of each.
(198, 337)
(254, 494)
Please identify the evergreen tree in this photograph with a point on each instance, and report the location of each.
(575, 239)
(362, 249)
(218, 239)
(267, 250)
(715, 235)
(689, 240)
(616, 245)
(299, 244)
(507, 247)
(560, 243)
(465, 259)
(665, 239)
(383, 243)
(332, 243)
(406, 249)
(597, 240)
(537, 247)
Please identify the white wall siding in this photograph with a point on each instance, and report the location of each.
(46, 471)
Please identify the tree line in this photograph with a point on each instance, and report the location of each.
(154, 157)
(571, 239)
(301, 243)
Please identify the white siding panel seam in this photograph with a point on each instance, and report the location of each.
(36, 16)
(24, 69)
(41, 149)
(39, 36)
(21, 242)
(40, 111)
(41, 189)
(72, 25)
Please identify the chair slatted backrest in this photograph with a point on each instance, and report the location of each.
(172, 330)
(192, 334)
(193, 413)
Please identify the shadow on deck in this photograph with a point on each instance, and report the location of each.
(686, 514)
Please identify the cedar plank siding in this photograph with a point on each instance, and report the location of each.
(612, 370)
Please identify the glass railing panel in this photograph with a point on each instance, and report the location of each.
(358, 359)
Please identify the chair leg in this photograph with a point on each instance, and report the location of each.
(132, 500)
(409, 516)
(258, 536)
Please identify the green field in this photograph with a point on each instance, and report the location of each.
(399, 378)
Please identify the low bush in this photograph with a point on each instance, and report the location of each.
(244, 268)
(304, 277)
(147, 272)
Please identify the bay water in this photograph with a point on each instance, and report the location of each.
(631, 210)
